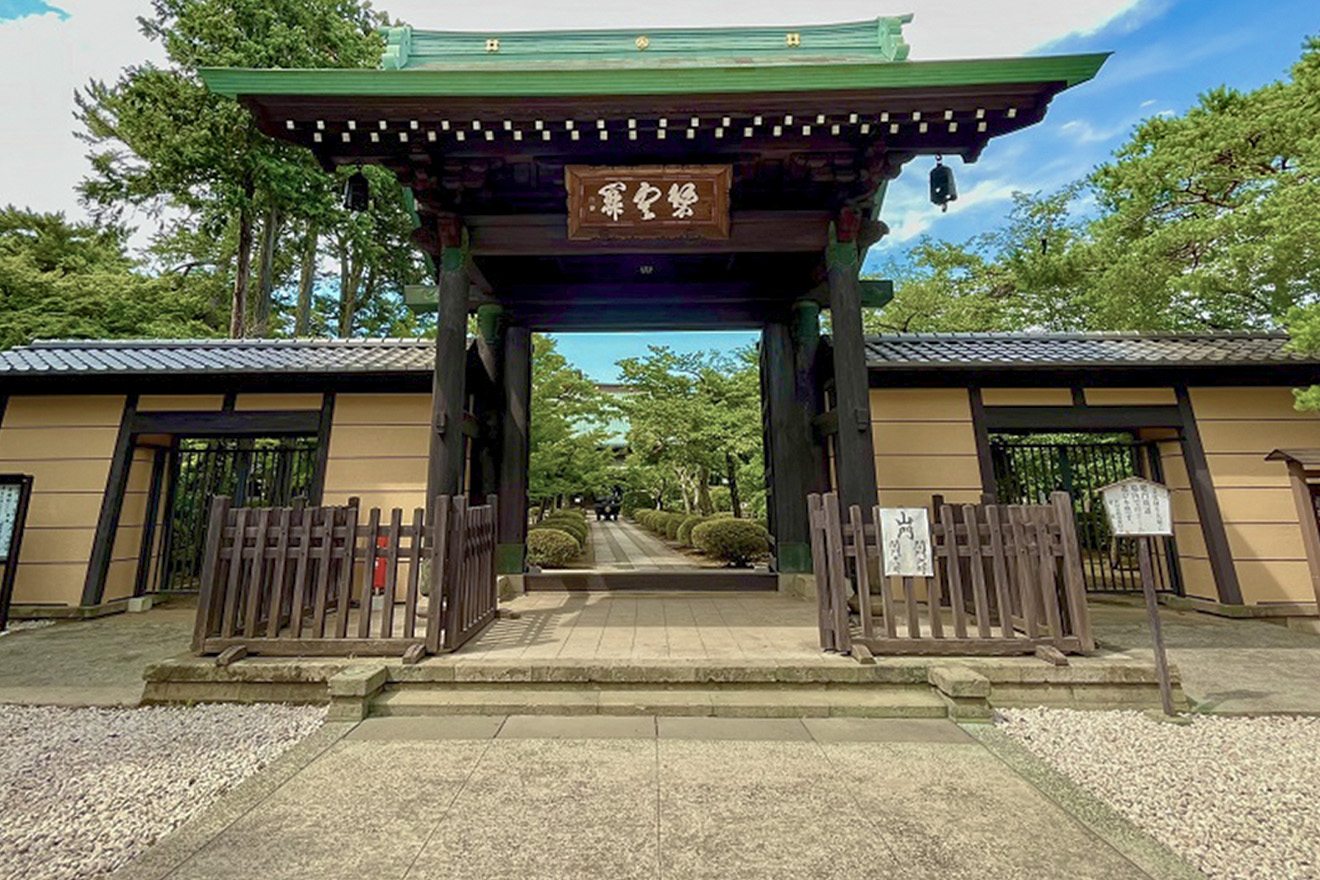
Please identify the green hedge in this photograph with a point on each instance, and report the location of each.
(685, 528)
(736, 541)
(569, 525)
(551, 548)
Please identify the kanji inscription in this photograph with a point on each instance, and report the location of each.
(905, 537)
(650, 201)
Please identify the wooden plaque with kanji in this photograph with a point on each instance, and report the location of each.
(648, 201)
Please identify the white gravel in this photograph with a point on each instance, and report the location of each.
(15, 626)
(1236, 797)
(83, 791)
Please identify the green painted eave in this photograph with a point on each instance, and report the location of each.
(544, 80)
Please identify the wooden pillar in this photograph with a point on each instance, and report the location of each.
(112, 504)
(488, 405)
(787, 440)
(445, 467)
(854, 452)
(514, 447)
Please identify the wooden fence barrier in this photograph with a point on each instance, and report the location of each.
(293, 581)
(1008, 579)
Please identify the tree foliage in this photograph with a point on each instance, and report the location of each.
(1205, 221)
(567, 447)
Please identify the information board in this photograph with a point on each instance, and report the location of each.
(1137, 507)
(11, 494)
(905, 536)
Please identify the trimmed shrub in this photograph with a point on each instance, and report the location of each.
(566, 524)
(672, 522)
(736, 541)
(684, 533)
(551, 548)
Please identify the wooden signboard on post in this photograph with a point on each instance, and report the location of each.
(648, 201)
(1141, 509)
(15, 491)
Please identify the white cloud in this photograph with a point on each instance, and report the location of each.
(46, 58)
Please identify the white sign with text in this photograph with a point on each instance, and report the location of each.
(905, 536)
(1137, 507)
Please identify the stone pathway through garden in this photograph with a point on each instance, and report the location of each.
(622, 546)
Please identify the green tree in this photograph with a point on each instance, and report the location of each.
(567, 447)
(63, 280)
(691, 417)
(160, 139)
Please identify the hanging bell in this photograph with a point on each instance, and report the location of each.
(942, 188)
(357, 193)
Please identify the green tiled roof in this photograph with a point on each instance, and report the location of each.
(879, 39)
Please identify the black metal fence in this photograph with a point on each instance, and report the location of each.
(255, 472)
(1028, 470)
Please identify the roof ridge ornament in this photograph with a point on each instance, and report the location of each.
(398, 46)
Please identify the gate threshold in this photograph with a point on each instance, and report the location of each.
(715, 580)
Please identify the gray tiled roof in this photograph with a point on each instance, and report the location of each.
(218, 356)
(947, 350)
(896, 351)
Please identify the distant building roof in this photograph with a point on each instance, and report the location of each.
(364, 357)
(218, 356)
(1009, 350)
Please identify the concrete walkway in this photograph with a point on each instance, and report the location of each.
(1230, 667)
(92, 662)
(560, 798)
(622, 546)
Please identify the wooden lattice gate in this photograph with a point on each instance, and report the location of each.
(295, 581)
(1008, 580)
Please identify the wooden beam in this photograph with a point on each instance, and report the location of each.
(1306, 520)
(112, 504)
(514, 446)
(445, 462)
(984, 458)
(1207, 504)
(787, 444)
(1069, 418)
(317, 490)
(147, 545)
(854, 449)
(520, 235)
(269, 423)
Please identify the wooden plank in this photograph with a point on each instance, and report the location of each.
(456, 569)
(934, 586)
(910, 599)
(999, 569)
(1074, 583)
(368, 573)
(414, 573)
(279, 576)
(1026, 570)
(324, 553)
(232, 654)
(863, 576)
(957, 600)
(414, 654)
(301, 570)
(1156, 630)
(1051, 655)
(257, 581)
(980, 599)
(956, 647)
(440, 550)
(886, 586)
(235, 582)
(309, 647)
(838, 576)
(1049, 596)
(820, 568)
(211, 594)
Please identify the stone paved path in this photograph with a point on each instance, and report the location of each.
(560, 798)
(622, 546)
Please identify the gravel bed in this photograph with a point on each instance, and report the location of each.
(1235, 797)
(83, 791)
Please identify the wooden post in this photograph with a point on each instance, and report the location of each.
(855, 452)
(787, 450)
(1306, 520)
(488, 404)
(445, 468)
(1156, 631)
(514, 437)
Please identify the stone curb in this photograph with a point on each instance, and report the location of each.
(171, 851)
(1154, 858)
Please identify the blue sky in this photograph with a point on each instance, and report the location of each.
(1166, 52)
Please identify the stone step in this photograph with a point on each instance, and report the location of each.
(873, 702)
